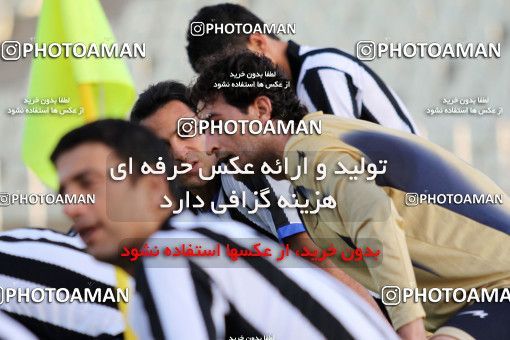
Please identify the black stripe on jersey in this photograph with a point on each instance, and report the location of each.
(353, 91)
(295, 62)
(72, 232)
(319, 96)
(53, 231)
(50, 275)
(143, 287)
(202, 283)
(9, 238)
(367, 115)
(48, 331)
(258, 183)
(236, 215)
(236, 326)
(384, 309)
(313, 85)
(318, 315)
(378, 80)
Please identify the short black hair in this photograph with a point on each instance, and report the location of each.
(126, 140)
(203, 46)
(157, 96)
(285, 104)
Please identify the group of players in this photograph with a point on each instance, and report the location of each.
(430, 245)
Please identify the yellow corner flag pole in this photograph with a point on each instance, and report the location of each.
(88, 102)
(123, 283)
(75, 80)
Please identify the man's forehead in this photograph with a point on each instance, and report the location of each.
(165, 119)
(213, 101)
(213, 106)
(85, 156)
(175, 107)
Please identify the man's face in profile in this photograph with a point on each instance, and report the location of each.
(120, 208)
(249, 148)
(164, 123)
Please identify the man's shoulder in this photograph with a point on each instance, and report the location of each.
(331, 129)
(332, 58)
(309, 52)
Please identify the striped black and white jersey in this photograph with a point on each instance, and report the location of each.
(279, 222)
(35, 259)
(11, 329)
(335, 82)
(255, 297)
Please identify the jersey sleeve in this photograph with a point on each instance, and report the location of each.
(275, 220)
(331, 91)
(291, 223)
(170, 301)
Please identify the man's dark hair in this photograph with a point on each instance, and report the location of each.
(200, 47)
(126, 140)
(157, 96)
(285, 104)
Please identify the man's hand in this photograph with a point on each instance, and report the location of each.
(414, 330)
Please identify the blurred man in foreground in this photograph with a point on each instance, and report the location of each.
(33, 259)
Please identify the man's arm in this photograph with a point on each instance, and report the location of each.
(368, 214)
(414, 330)
(298, 241)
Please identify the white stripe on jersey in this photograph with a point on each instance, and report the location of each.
(270, 219)
(63, 254)
(335, 85)
(332, 68)
(87, 318)
(11, 329)
(37, 234)
(246, 288)
(74, 260)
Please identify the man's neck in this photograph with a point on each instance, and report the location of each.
(128, 268)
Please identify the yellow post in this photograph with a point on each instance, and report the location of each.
(123, 283)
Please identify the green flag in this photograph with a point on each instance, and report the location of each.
(71, 91)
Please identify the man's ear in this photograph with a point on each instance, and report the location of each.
(258, 43)
(264, 108)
